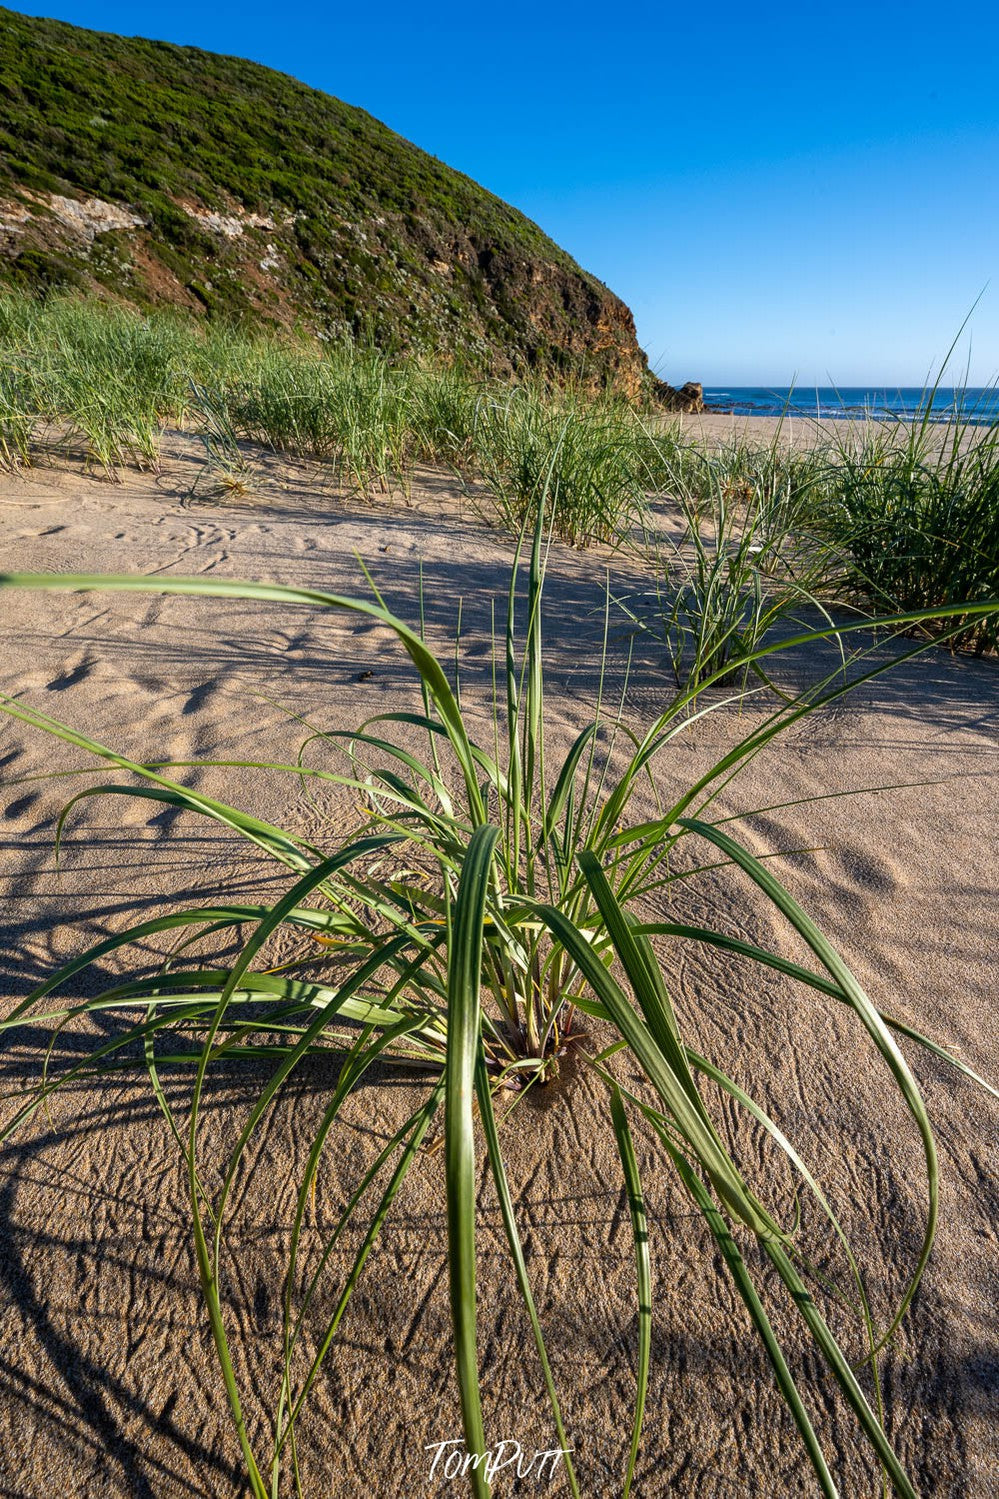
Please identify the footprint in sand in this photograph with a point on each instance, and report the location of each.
(863, 874)
(21, 805)
(34, 535)
(199, 697)
(78, 673)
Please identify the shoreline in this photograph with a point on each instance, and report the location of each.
(799, 430)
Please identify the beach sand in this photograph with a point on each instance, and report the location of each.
(108, 1381)
(806, 432)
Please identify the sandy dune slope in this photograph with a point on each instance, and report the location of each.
(108, 1384)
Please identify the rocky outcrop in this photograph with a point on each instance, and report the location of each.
(688, 399)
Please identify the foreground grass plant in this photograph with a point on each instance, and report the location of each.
(486, 899)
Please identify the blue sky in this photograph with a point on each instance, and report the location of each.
(779, 192)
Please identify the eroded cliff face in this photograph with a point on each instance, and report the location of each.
(405, 285)
(160, 175)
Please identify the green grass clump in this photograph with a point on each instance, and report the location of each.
(444, 416)
(747, 559)
(348, 409)
(17, 416)
(487, 897)
(914, 508)
(578, 455)
(101, 377)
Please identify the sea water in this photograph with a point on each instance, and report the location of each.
(976, 404)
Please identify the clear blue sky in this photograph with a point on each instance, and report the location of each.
(777, 191)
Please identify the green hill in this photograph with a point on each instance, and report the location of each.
(165, 175)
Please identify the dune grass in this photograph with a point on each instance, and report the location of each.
(743, 535)
(580, 455)
(485, 899)
(78, 374)
(744, 557)
(913, 508)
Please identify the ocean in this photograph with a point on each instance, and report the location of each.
(976, 404)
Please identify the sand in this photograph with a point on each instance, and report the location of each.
(108, 1384)
(806, 432)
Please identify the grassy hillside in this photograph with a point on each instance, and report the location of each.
(164, 174)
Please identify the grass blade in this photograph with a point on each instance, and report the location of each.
(464, 979)
(643, 1271)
